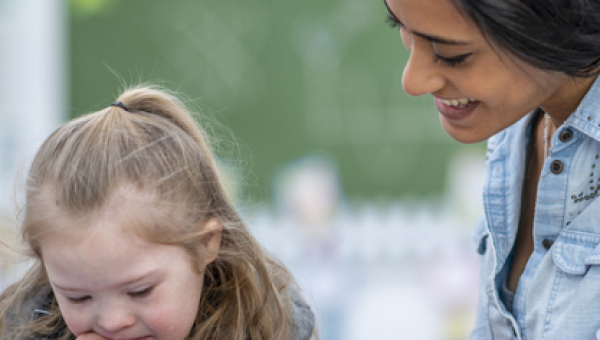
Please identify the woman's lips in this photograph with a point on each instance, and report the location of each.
(456, 109)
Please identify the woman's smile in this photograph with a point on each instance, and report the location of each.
(456, 109)
(458, 103)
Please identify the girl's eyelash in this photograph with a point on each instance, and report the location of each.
(453, 61)
(81, 299)
(142, 293)
(137, 294)
(392, 21)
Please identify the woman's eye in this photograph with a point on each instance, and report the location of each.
(79, 299)
(452, 61)
(141, 293)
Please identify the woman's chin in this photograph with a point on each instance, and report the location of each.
(464, 135)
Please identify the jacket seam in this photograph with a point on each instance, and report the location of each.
(548, 320)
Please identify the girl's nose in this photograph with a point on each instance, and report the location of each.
(113, 319)
(421, 74)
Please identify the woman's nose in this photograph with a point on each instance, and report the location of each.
(421, 74)
(114, 318)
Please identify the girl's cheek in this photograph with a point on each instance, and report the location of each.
(175, 319)
(75, 320)
(165, 323)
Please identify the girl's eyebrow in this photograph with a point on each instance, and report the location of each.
(151, 274)
(63, 288)
(433, 38)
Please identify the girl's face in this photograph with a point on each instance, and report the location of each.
(111, 282)
(478, 89)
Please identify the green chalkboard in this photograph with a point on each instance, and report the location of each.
(288, 79)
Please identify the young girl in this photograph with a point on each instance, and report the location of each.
(134, 238)
(523, 73)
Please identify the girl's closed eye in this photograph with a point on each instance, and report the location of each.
(79, 299)
(142, 292)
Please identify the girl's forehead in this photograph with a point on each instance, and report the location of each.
(123, 220)
(120, 230)
(129, 218)
(124, 202)
(95, 230)
(88, 257)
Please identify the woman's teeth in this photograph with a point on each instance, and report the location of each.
(458, 103)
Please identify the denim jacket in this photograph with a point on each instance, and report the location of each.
(558, 295)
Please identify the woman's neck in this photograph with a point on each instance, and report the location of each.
(566, 99)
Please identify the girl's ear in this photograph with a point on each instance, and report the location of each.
(212, 240)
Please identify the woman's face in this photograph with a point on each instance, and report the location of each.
(478, 89)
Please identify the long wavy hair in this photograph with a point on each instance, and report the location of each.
(158, 148)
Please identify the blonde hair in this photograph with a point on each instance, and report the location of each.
(158, 148)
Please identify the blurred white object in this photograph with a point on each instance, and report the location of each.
(33, 91)
(33, 80)
(393, 312)
(466, 173)
(309, 190)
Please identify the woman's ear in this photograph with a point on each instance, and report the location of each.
(212, 240)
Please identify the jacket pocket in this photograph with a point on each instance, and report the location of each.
(575, 252)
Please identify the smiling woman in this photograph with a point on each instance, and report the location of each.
(522, 75)
(451, 59)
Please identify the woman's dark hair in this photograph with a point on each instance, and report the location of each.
(555, 35)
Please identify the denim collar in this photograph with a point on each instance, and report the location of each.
(586, 117)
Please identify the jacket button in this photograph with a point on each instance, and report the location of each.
(547, 244)
(556, 167)
(565, 136)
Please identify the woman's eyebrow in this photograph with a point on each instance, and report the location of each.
(441, 40)
(433, 38)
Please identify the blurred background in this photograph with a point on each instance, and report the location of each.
(347, 180)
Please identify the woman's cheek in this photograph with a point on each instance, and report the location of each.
(406, 39)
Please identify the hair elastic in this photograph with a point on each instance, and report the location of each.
(121, 105)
